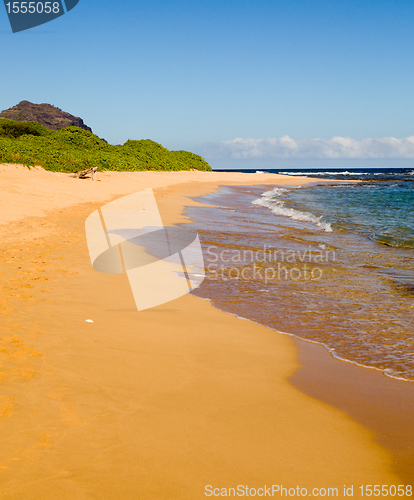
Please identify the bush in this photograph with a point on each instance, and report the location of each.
(13, 130)
(72, 149)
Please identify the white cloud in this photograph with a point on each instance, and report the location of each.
(337, 147)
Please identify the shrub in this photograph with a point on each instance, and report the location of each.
(71, 149)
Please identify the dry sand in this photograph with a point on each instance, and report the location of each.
(145, 405)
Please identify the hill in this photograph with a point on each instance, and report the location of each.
(72, 149)
(49, 116)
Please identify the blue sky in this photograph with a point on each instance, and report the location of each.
(198, 74)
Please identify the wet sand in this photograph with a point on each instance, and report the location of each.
(382, 404)
(154, 404)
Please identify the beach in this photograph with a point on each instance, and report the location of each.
(180, 401)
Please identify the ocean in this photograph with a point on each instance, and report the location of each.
(331, 264)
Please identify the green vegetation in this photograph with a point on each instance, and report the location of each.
(72, 149)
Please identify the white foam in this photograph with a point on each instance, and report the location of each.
(270, 200)
(274, 192)
(330, 172)
(304, 173)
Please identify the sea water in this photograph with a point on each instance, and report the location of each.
(333, 264)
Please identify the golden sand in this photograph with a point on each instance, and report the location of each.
(145, 405)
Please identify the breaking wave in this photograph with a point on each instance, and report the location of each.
(271, 200)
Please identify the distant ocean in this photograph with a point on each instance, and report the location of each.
(333, 264)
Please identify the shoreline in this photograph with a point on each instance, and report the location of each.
(363, 396)
(381, 404)
(165, 408)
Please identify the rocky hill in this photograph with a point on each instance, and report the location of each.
(47, 115)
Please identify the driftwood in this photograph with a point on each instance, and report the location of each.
(86, 174)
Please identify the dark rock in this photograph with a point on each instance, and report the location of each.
(47, 115)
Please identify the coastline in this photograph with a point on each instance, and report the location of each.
(186, 396)
(382, 404)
